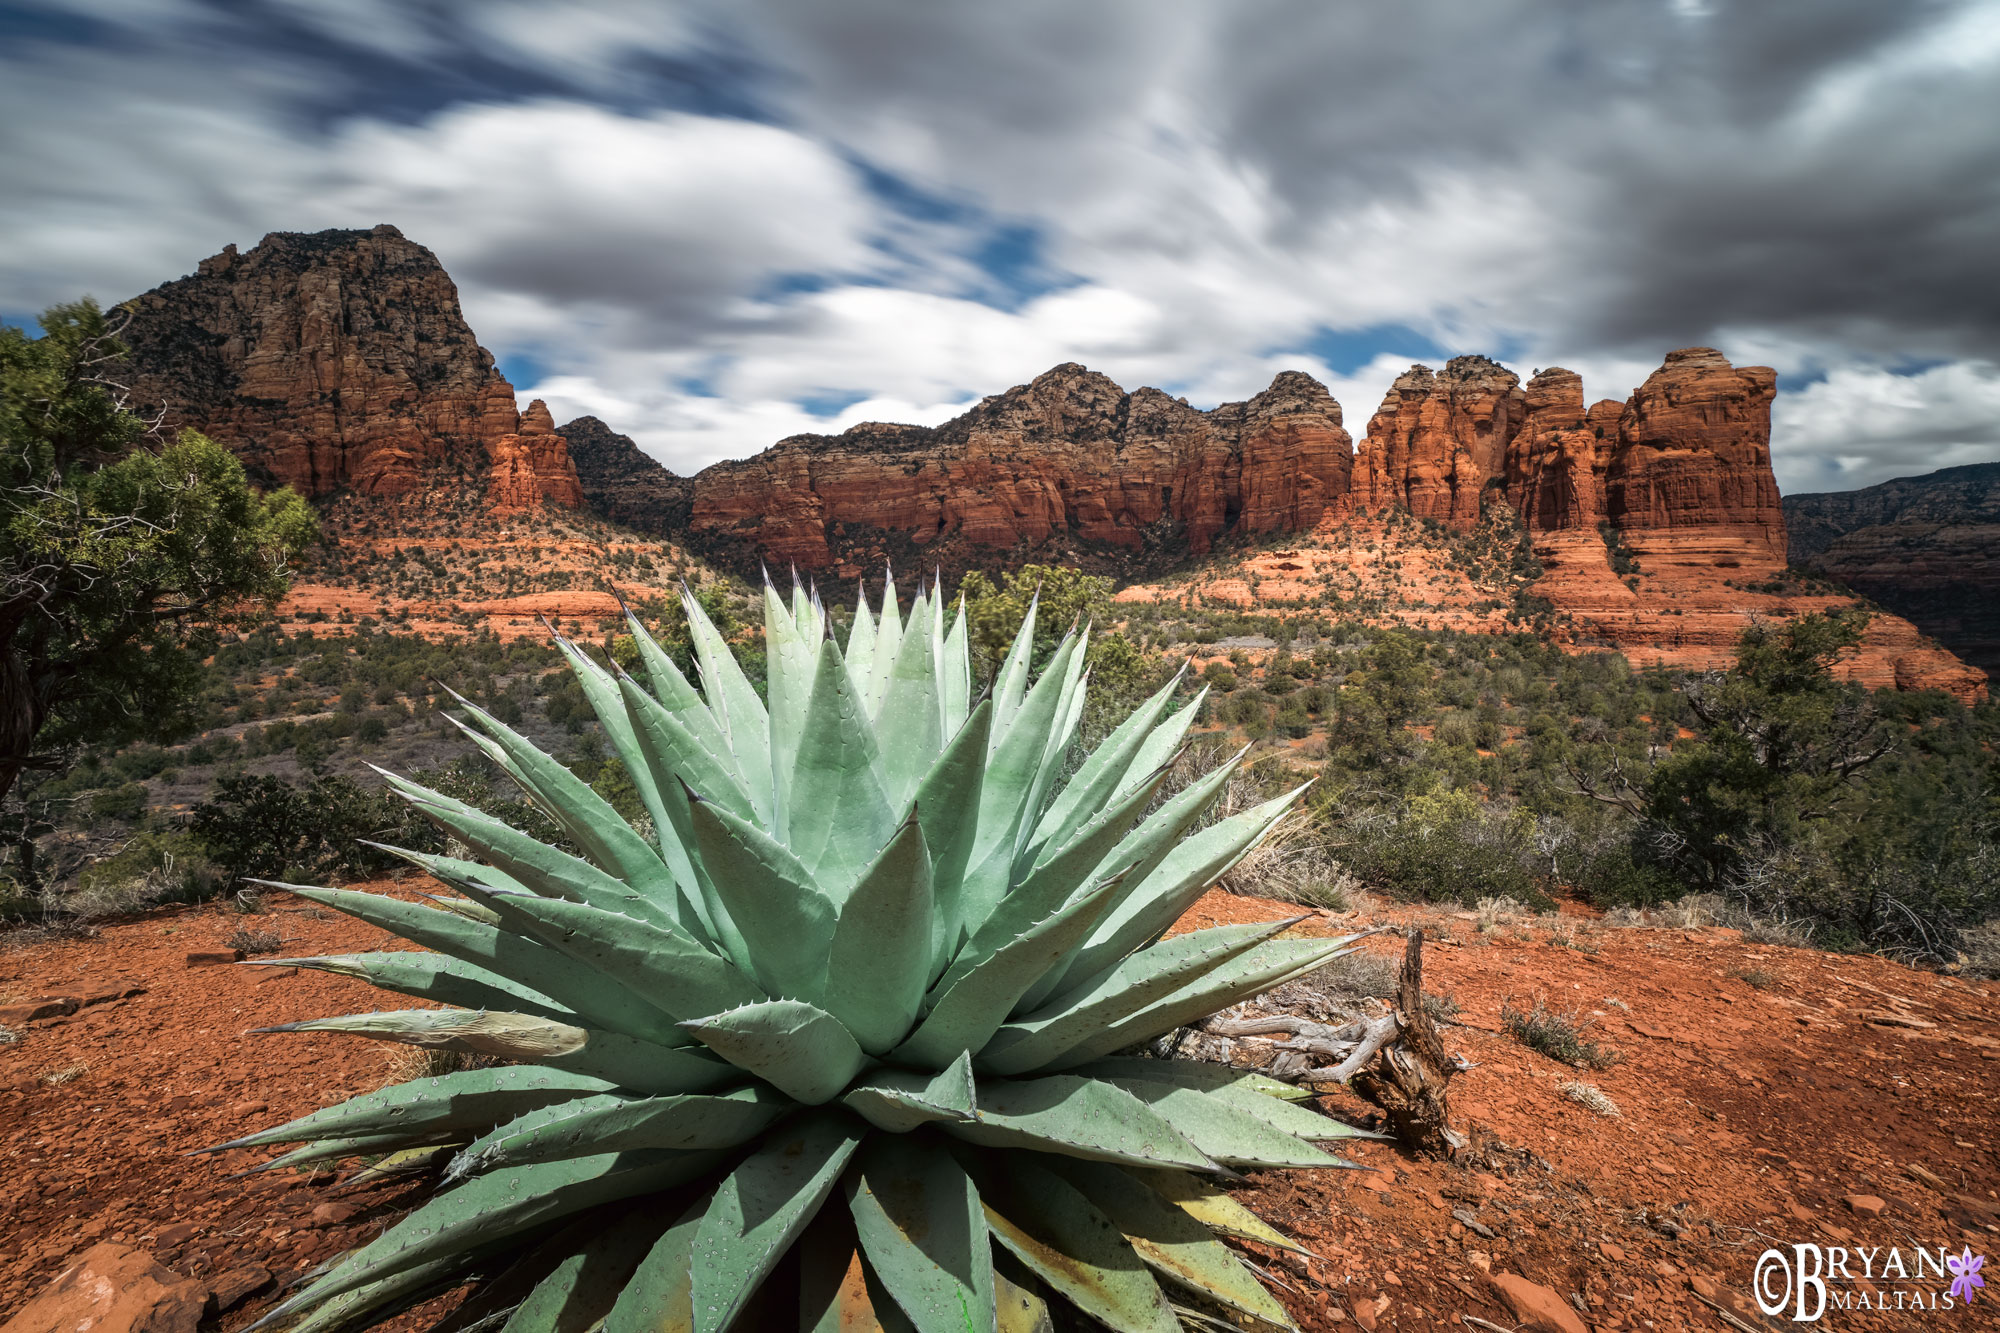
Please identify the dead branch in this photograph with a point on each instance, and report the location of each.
(1390, 1056)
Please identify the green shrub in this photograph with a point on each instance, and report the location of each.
(124, 803)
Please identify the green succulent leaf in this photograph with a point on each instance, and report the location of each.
(839, 813)
(760, 1208)
(430, 976)
(1077, 1117)
(798, 1048)
(879, 964)
(1066, 1242)
(923, 1231)
(899, 1100)
(1172, 1244)
(610, 1122)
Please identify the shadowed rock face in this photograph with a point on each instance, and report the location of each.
(1070, 457)
(623, 483)
(339, 361)
(1928, 548)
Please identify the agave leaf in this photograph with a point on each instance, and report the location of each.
(789, 656)
(861, 639)
(1099, 778)
(954, 673)
(1045, 887)
(1164, 740)
(667, 684)
(376, 1302)
(745, 724)
(467, 1099)
(582, 1288)
(909, 723)
(430, 976)
(921, 1225)
(1269, 964)
(546, 870)
(1147, 976)
(1053, 1230)
(898, 1100)
(1012, 770)
(1179, 877)
(1215, 1208)
(679, 976)
(879, 965)
(888, 647)
(796, 1047)
(1194, 1074)
(839, 814)
(1076, 1117)
(947, 805)
(676, 755)
(1269, 1100)
(1011, 685)
(357, 1145)
(1173, 1244)
(606, 839)
(660, 1296)
(488, 1208)
(607, 1122)
(965, 1014)
(601, 691)
(1225, 1133)
(1055, 751)
(776, 906)
(760, 1208)
(640, 1066)
(526, 961)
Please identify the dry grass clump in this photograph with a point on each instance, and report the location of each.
(254, 942)
(1590, 1097)
(1501, 911)
(1556, 1035)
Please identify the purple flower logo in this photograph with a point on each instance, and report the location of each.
(1965, 1273)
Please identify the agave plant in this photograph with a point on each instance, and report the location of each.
(882, 941)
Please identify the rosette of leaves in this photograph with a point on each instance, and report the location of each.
(843, 1040)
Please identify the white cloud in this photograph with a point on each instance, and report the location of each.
(1861, 425)
(1214, 182)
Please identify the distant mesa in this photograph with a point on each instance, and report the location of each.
(339, 363)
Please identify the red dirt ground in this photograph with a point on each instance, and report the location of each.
(1748, 1117)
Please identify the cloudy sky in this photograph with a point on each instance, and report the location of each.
(716, 224)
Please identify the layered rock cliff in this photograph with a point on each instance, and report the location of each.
(1438, 439)
(1069, 464)
(1927, 548)
(339, 361)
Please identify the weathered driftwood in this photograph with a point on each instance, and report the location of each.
(1389, 1055)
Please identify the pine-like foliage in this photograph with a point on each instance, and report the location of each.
(851, 1014)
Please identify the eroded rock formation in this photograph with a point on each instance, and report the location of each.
(339, 361)
(1438, 439)
(623, 483)
(1070, 458)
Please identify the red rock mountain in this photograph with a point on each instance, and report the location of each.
(339, 361)
(1070, 463)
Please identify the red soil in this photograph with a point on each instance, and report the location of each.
(1748, 1116)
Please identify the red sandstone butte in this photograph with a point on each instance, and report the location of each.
(338, 361)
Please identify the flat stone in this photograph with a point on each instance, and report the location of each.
(1536, 1308)
(113, 1288)
(333, 1214)
(177, 1234)
(214, 957)
(113, 995)
(1867, 1205)
(32, 1011)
